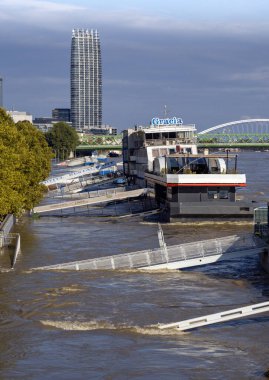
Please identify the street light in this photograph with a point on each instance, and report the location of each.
(227, 159)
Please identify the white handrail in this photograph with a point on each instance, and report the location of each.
(224, 316)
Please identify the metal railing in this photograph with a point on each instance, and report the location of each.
(176, 253)
(12, 240)
(7, 224)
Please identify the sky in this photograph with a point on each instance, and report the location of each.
(206, 61)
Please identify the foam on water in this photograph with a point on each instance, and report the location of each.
(105, 325)
(65, 290)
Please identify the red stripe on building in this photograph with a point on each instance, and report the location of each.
(205, 184)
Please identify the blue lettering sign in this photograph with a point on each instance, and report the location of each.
(172, 121)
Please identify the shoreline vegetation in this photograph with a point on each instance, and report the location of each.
(25, 162)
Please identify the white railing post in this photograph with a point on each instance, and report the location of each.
(162, 243)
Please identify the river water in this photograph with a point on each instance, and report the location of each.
(103, 325)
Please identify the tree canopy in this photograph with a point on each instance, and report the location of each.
(63, 139)
(25, 162)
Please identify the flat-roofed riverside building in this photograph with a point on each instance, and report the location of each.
(20, 116)
(86, 79)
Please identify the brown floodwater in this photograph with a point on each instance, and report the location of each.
(104, 325)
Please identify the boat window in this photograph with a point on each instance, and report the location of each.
(181, 135)
(172, 135)
(172, 165)
(212, 194)
(155, 152)
(163, 151)
(198, 166)
(223, 194)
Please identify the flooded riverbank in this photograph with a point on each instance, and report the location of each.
(103, 325)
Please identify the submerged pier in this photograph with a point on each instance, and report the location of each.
(108, 197)
(171, 257)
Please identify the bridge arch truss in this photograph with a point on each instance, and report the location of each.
(248, 130)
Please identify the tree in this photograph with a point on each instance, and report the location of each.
(63, 139)
(25, 162)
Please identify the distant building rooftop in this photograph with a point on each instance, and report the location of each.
(20, 116)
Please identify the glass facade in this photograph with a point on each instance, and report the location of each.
(86, 79)
(61, 114)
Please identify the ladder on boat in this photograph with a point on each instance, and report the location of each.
(217, 317)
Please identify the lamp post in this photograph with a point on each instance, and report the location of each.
(235, 163)
(227, 159)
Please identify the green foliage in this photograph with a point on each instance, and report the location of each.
(25, 162)
(63, 139)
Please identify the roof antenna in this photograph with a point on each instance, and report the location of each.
(165, 110)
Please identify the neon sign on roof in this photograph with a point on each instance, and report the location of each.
(168, 121)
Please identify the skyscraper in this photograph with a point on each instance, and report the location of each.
(1, 92)
(86, 79)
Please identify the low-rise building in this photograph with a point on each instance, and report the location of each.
(20, 116)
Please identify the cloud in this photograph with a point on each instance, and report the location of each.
(52, 15)
(13, 7)
(37, 13)
(259, 74)
(206, 67)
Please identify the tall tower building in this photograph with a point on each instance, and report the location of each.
(1, 92)
(86, 79)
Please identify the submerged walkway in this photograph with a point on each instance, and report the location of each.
(89, 201)
(172, 257)
(224, 316)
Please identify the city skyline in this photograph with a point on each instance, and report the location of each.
(202, 61)
(86, 79)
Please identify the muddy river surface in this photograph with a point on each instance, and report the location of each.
(103, 325)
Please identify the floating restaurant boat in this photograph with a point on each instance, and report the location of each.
(141, 145)
(164, 157)
(198, 185)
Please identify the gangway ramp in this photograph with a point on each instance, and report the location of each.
(89, 201)
(224, 316)
(172, 257)
(89, 194)
(68, 178)
(73, 188)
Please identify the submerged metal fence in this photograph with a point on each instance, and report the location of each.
(11, 240)
(261, 222)
(183, 252)
(6, 225)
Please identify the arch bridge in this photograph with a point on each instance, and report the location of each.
(239, 131)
